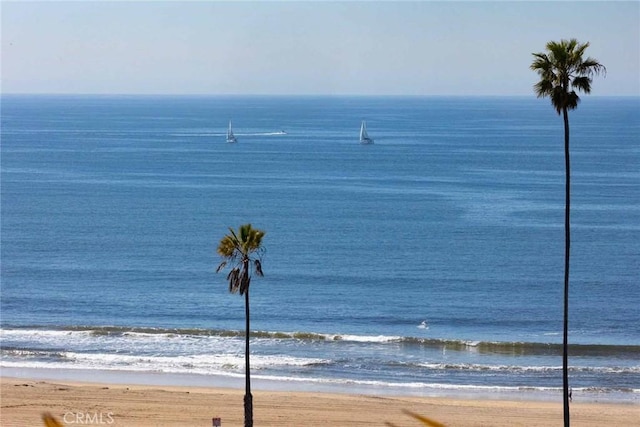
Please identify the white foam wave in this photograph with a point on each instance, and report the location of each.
(528, 369)
(198, 364)
(159, 343)
(398, 385)
(365, 338)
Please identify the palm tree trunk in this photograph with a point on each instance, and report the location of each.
(567, 246)
(248, 398)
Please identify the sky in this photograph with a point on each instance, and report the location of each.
(467, 48)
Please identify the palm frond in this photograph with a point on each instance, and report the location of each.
(244, 231)
(222, 265)
(543, 88)
(245, 281)
(233, 233)
(592, 67)
(541, 63)
(582, 83)
(258, 267)
(227, 246)
(234, 280)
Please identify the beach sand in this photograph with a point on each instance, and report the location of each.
(24, 400)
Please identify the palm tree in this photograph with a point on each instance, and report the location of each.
(563, 70)
(243, 250)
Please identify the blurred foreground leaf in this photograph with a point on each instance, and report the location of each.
(50, 420)
(424, 420)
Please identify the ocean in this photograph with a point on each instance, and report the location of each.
(427, 263)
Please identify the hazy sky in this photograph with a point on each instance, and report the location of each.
(307, 47)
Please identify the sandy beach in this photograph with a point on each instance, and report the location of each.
(24, 400)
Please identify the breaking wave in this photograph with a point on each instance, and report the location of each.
(487, 347)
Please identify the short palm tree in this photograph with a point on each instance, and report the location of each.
(243, 251)
(563, 70)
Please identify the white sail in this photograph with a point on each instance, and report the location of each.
(364, 136)
(230, 136)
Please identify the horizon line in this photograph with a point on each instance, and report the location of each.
(301, 95)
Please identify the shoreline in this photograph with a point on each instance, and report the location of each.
(24, 400)
(267, 384)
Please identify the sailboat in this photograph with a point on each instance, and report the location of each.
(230, 136)
(364, 136)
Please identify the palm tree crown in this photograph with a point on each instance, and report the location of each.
(237, 248)
(562, 71)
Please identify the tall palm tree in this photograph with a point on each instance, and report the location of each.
(243, 250)
(563, 70)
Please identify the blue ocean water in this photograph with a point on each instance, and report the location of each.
(431, 260)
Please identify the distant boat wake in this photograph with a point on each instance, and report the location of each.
(207, 134)
(273, 133)
(264, 133)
